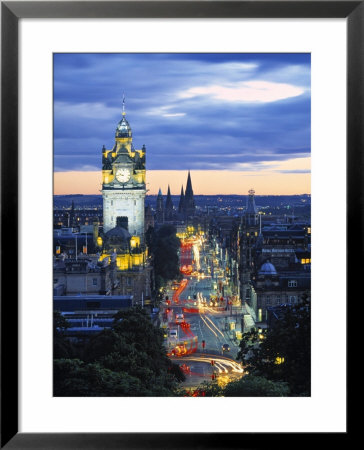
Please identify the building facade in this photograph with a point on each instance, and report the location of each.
(123, 181)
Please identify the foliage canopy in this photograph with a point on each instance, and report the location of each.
(128, 359)
(283, 351)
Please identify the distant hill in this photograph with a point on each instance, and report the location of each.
(95, 201)
(80, 201)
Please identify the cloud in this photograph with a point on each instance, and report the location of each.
(85, 110)
(190, 110)
(174, 115)
(164, 111)
(247, 91)
(294, 171)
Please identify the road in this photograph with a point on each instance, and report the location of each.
(197, 343)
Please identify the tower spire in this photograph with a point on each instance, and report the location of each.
(181, 201)
(160, 207)
(189, 201)
(169, 208)
(251, 212)
(123, 104)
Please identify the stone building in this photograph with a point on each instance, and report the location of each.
(272, 288)
(83, 276)
(123, 181)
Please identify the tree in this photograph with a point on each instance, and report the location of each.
(255, 386)
(283, 352)
(175, 370)
(164, 246)
(247, 386)
(131, 350)
(75, 378)
(62, 348)
(211, 389)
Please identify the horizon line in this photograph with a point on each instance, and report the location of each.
(197, 195)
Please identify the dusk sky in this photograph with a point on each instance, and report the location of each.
(245, 117)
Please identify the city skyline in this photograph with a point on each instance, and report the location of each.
(236, 121)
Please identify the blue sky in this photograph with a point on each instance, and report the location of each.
(192, 111)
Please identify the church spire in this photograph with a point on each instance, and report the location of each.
(160, 207)
(181, 201)
(169, 208)
(189, 201)
(189, 191)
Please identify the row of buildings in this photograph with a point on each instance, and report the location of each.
(267, 264)
(100, 269)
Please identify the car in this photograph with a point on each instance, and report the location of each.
(180, 318)
(225, 348)
(173, 333)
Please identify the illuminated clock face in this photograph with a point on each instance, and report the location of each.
(122, 175)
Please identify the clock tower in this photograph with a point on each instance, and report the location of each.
(123, 181)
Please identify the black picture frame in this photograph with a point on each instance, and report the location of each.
(11, 12)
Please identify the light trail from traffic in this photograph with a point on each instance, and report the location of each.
(179, 290)
(208, 326)
(222, 363)
(208, 318)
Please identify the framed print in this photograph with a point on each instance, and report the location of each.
(231, 97)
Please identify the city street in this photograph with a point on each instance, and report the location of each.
(199, 322)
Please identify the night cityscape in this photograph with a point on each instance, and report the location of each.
(197, 289)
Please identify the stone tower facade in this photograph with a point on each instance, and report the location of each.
(123, 181)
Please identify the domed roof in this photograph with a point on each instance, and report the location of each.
(123, 129)
(267, 269)
(119, 232)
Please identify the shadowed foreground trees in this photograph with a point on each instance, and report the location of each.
(127, 360)
(283, 352)
(248, 386)
(164, 246)
(278, 359)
